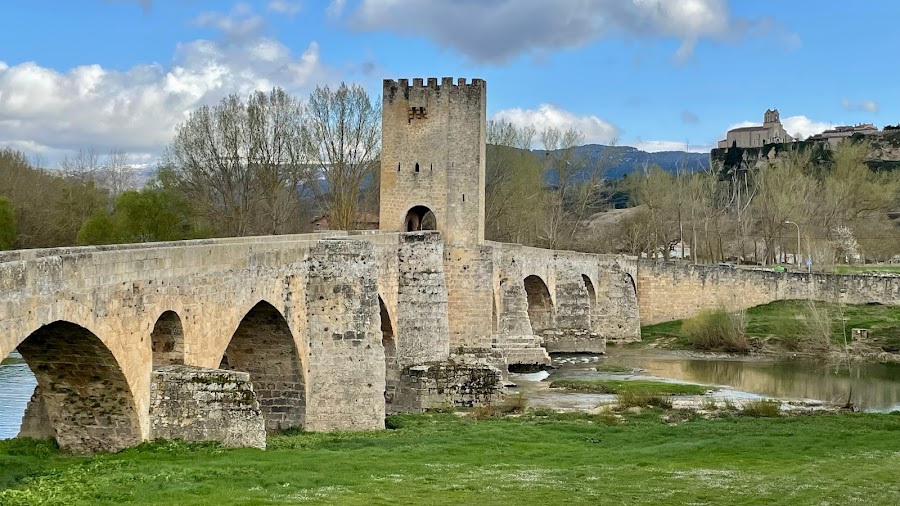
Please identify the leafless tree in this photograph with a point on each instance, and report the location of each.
(343, 142)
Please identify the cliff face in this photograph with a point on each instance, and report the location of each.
(885, 153)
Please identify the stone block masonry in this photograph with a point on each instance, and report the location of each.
(346, 365)
(198, 404)
(669, 292)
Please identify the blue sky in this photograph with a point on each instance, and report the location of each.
(656, 74)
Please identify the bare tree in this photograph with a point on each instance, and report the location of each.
(116, 174)
(242, 163)
(343, 141)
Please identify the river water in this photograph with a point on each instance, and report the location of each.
(870, 386)
(873, 387)
(16, 386)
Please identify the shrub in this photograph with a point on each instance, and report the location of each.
(717, 329)
(817, 329)
(514, 404)
(762, 409)
(486, 411)
(629, 399)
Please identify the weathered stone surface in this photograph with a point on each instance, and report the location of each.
(461, 381)
(36, 422)
(199, 404)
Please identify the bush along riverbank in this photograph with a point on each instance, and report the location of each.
(633, 455)
(787, 327)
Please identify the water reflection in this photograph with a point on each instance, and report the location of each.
(873, 387)
(16, 386)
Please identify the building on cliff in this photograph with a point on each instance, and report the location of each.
(838, 134)
(770, 132)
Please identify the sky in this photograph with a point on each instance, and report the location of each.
(654, 74)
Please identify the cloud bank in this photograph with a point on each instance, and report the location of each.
(497, 31)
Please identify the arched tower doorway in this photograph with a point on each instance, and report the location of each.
(419, 218)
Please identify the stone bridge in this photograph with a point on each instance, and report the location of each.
(333, 329)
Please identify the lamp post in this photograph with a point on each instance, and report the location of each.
(797, 255)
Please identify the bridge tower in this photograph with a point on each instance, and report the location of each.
(433, 158)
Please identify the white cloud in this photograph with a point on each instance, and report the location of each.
(499, 30)
(49, 112)
(335, 8)
(595, 130)
(804, 126)
(657, 146)
(240, 24)
(285, 7)
(862, 105)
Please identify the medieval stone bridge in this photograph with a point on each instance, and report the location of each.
(325, 324)
(226, 338)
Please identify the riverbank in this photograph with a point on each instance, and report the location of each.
(791, 328)
(648, 457)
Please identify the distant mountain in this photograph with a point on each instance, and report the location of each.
(630, 159)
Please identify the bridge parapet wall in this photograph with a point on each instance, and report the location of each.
(669, 292)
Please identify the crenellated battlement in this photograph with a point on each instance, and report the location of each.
(432, 83)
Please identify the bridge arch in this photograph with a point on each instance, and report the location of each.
(391, 364)
(540, 304)
(82, 397)
(419, 218)
(167, 340)
(264, 346)
(592, 294)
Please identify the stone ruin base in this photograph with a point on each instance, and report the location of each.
(463, 381)
(36, 422)
(199, 404)
(574, 341)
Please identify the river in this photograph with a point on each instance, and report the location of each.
(16, 386)
(870, 386)
(874, 387)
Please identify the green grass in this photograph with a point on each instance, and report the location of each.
(642, 387)
(867, 269)
(785, 320)
(441, 459)
(614, 369)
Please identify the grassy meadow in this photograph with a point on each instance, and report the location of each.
(653, 457)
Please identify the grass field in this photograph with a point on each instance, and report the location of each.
(640, 387)
(441, 459)
(788, 321)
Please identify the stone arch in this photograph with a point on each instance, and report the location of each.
(263, 346)
(540, 305)
(630, 278)
(591, 292)
(82, 398)
(391, 364)
(167, 340)
(419, 218)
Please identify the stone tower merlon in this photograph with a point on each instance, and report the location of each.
(433, 157)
